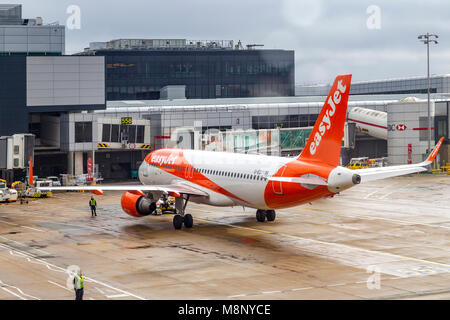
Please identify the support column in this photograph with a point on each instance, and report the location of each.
(78, 162)
(70, 169)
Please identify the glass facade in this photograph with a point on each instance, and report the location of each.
(139, 75)
(284, 121)
(83, 131)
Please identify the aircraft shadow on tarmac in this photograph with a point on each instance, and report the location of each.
(155, 228)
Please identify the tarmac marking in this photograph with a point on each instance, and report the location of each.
(379, 218)
(393, 191)
(337, 284)
(17, 225)
(270, 292)
(58, 285)
(20, 297)
(24, 245)
(332, 244)
(13, 224)
(50, 266)
(368, 196)
(380, 189)
(118, 296)
(32, 228)
(237, 296)
(300, 289)
(18, 289)
(101, 291)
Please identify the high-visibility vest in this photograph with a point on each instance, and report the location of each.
(92, 202)
(79, 282)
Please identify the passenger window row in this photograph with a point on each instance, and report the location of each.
(229, 174)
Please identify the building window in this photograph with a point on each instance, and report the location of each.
(115, 133)
(106, 133)
(83, 132)
(140, 134)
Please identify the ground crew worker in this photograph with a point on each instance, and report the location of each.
(93, 205)
(78, 285)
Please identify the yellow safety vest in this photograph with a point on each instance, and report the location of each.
(79, 282)
(92, 202)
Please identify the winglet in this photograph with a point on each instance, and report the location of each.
(435, 151)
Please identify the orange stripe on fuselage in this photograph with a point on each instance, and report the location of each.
(175, 157)
(294, 194)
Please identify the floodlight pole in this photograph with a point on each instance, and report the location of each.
(427, 42)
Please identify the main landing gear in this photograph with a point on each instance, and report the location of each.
(180, 218)
(262, 215)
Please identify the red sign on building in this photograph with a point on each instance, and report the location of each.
(89, 169)
(409, 153)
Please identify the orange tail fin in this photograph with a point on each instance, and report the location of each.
(324, 143)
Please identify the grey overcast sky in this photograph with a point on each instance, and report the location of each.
(329, 36)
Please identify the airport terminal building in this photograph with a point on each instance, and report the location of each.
(121, 99)
(137, 69)
(412, 85)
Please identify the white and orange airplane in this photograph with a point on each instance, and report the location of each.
(264, 183)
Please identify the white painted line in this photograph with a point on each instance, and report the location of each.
(88, 279)
(32, 228)
(25, 294)
(299, 289)
(270, 292)
(101, 291)
(237, 296)
(329, 244)
(336, 284)
(58, 285)
(18, 289)
(368, 196)
(387, 194)
(14, 294)
(26, 246)
(118, 296)
(364, 281)
(13, 224)
(394, 191)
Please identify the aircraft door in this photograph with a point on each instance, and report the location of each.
(277, 186)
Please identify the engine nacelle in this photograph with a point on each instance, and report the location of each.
(137, 205)
(342, 178)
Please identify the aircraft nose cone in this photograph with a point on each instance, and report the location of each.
(356, 179)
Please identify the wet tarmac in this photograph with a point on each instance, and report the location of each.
(381, 240)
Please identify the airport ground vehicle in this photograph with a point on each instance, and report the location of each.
(7, 194)
(40, 189)
(365, 162)
(165, 205)
(55, 181)
(265, 183)
(359, 163)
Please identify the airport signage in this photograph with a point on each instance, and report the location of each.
(127, 120)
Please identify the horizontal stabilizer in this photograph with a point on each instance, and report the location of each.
(371, 174)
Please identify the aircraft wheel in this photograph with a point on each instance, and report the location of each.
(177, 222)
(188, 221)
(260, 215)
(270, 214)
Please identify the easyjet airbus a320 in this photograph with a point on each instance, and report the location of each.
(264, 183)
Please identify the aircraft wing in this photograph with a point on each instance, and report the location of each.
(182, 189)
(393, 171)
